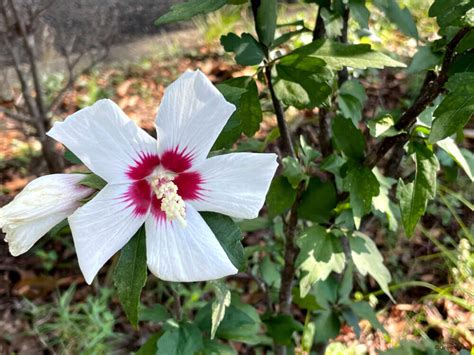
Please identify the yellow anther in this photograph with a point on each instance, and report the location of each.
(171, 203)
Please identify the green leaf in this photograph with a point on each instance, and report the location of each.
(320, 254)
(229, 236)
(424, 59)
(414, 196)
(302, 82)
(359, 12)
(401, 17)
(456, 109)
(265, 20)
(326, 292)
(363, 310)
(307, 339)
(307, 302)
(281, 328)
(213, 347)
(293, 171)
(71, 157)
(367, 260)
(450, 12)
(241, 322)
(182, 339)
(382, 127)
(348, 138)
(93, 181)
(382, 202)
(327, 326)
(449, 146)
(130, 275)
(362, 186)
(338, 55)
(317, 201)
(287, 36)
(243, 93)
(189, 9)
(150, 345)
(219, 305)
(280, 196)
(345, 288)
(246, 48)
(155, 314)
(351, 100)
(270, 272)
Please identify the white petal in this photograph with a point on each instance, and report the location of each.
(191, 116)
(235, 184)
(105, 139)
(41, 205)
(185, 254)
(102, 227)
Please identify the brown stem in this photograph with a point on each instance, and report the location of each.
(32, 59)
(291, 252)
(286, 144)
(343, 74)
(432, 87)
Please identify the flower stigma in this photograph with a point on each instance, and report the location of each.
(172, 203)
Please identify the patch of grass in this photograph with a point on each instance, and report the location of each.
(67, 327)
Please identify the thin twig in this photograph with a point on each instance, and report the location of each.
(286, 143)
(17, 116)
(432, 87)
(33, 62)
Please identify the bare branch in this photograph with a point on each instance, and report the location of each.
(32, 59)
(17, 116)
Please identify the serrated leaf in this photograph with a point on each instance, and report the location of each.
(265, 20)
(317, 201)
(302, 82)
(320, 254)
(130, 275)
(450, 12)
(368, 260)
(280, 196)
(241, 322)
(363, 186)
(182, 340)
(348, 138)
(93, 181)
(351, 100)
(270, 272)
(189, 9)
(449, 146)
(243, 93)
(219, 306)
(415, 195)
(401, 17)
(382, 127)
(338, 55)
(456, 109)
(229, 236)
(246, 48)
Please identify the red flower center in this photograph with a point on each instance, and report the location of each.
(141, 196)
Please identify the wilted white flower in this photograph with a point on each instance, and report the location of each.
(41, 205)
(163, 183)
